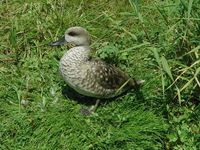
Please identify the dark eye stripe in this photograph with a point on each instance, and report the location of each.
(72, 33)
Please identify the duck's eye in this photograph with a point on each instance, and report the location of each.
(72, 33)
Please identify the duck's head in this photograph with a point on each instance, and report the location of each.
(76, 36)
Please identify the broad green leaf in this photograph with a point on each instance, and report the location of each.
(166, 67)
(156, 55)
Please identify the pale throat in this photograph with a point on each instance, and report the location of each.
(78, 54)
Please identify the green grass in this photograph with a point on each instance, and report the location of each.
(157, 41)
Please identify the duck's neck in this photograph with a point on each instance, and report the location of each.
(78, 54)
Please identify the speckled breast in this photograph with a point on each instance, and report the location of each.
(79, 74)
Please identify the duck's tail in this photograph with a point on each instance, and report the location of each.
(139, 82)
(136, 83)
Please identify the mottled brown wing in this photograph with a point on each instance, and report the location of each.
(109, 76)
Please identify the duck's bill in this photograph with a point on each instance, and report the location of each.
(61, 41)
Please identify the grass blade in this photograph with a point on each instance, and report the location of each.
(135, 5)
(13, 37)
(179, 95)
(194, 50)
(189, 8)
(187, 84)
(197, 72)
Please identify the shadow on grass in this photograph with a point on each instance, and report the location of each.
(71, 94)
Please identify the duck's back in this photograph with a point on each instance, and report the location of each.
(109, 81)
